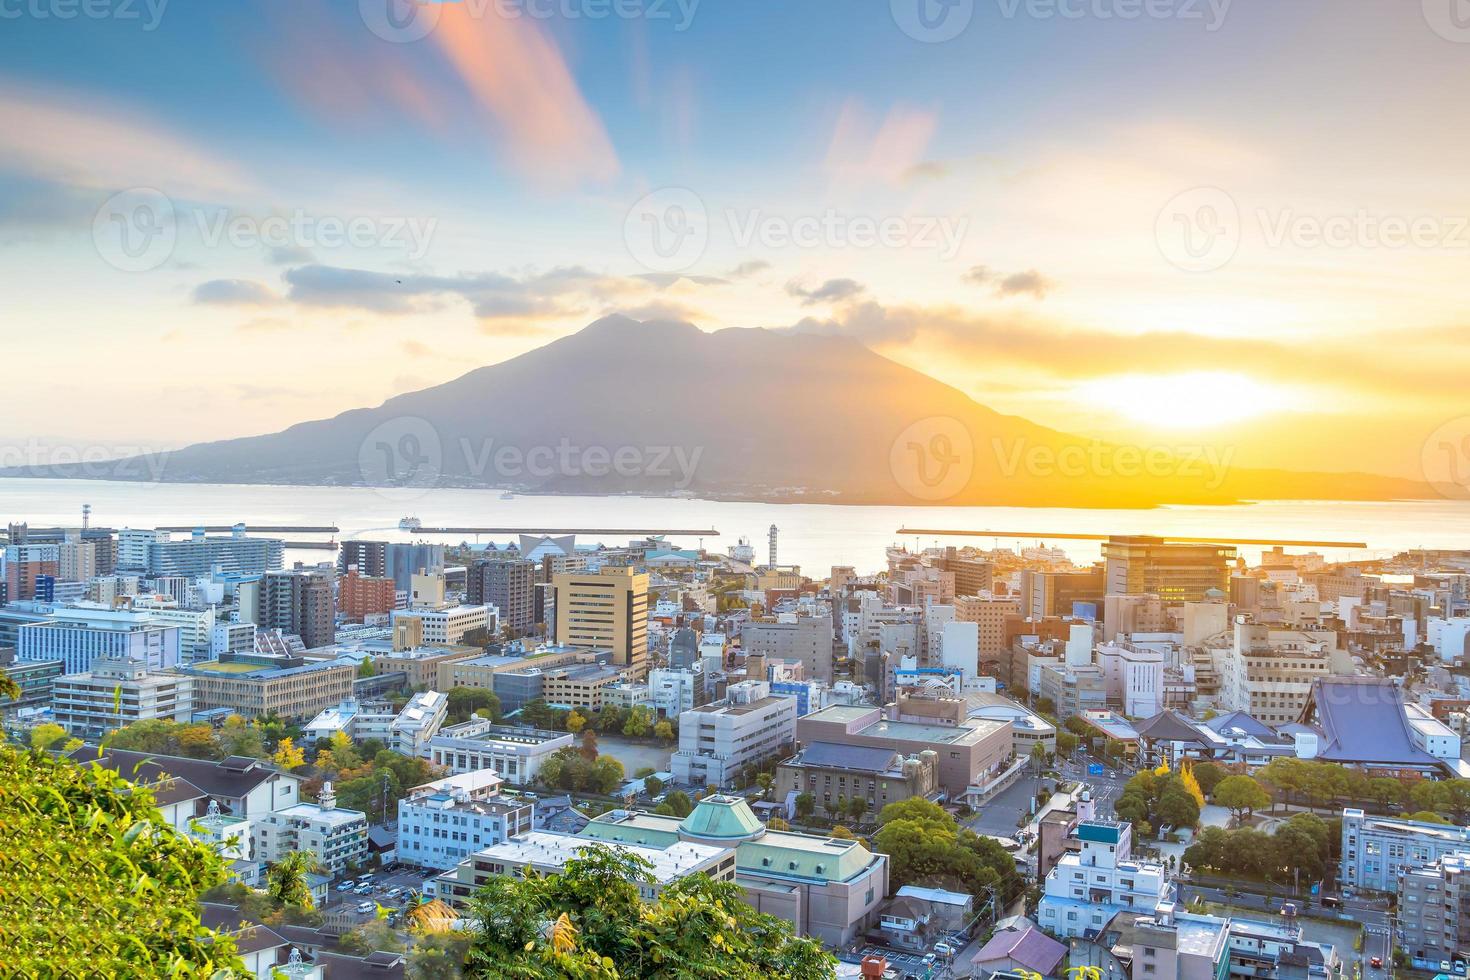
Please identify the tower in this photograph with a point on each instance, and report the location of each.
(772, 535)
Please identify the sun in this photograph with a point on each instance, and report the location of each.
(1191, 400)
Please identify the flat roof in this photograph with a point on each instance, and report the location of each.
(539, 847)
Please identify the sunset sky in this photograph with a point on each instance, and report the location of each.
(1243, 223)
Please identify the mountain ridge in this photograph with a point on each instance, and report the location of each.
(660, 406)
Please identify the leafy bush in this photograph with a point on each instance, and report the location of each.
(95, 883)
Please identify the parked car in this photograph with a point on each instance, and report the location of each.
(944, 949)
(1376, 962)
(366, 908)
(346, 886)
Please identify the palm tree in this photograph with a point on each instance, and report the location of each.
(286, 881)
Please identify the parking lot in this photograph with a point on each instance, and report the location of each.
(409, 879)
(907, 964)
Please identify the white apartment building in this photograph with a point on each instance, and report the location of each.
(116, 693)
(196, 626)
(231, 638)
(444, 627)
(442, 823)
(674, 691)
(132, 547)
(335, 837)
(717, 740)
(1088, 887)
(418, 722)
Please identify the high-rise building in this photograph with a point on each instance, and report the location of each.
(78, 561)
(26, 565)
(608, 610)
(1046, 593)
(401, 562)
(360, 596)
(507, 584)
(369, 557)
(1172, 570)
(79, 635)
(299, 602)
(989, 612)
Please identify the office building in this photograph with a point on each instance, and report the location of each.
(1174, 571)
(442, 823)
(33, 677)
(717, 741)
(116, 693)
(971, 751)
(517, 754)
(454, 625)
(368, 557)
(401, 562)
(1047, 594)
(989, 613)
(807, 639)
(26, 565)
(1086, 888)
(79, 635)
(252, 685)
(1376, 849)
(608, 611)
(510, 586)
(880, 776)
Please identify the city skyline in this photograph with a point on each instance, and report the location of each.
(1201, 221)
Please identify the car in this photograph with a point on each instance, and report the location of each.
(345, 886)
(659, 799)
(944, 949)
(1444, 966)
(366, 908)
(394, 892)
(1376, 962)
(928, 958)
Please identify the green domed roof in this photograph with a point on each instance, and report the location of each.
(722, 818)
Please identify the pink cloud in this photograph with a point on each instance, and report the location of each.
(864, 151)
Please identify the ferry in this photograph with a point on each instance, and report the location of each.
(409, 523)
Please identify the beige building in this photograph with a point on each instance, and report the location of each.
(422, 664)
(880, 776)
(970, 752)
(1268, 673)
(444, 627)
(252, 685)
(608, 610)
(335, 837)
(115, 693)
(989, 613)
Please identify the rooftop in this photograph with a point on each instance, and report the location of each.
(541, 849)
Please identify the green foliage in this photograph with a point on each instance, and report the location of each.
(1427, 816)
(638, 723)
(45, 735)
(538, 714)
(680, 804)
(652, 785)
(925, 845)
(366, 668)
(286, 881)
(465, 701)
(569, 769)
(1303, 846)
(1208, 775)
(1066, 743)
(1241, 795)
(1159, 800)
(370, 937)
(806, 805)
(438, 956)
(591, 923)
(95, 883)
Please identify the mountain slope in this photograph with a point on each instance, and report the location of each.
(654, 407)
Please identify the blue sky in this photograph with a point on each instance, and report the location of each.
(1051, 142)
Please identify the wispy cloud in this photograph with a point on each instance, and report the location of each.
(235, 292)
(1030, 282)
(831, 291)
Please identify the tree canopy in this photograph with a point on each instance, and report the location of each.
(925, 845)
(95, 883)
(590, 922)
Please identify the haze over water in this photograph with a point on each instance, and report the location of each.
(814, 536)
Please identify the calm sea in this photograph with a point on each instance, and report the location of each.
(815, 536)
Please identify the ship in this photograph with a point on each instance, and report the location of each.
(409, 523)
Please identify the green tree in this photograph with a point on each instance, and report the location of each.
(127, 903)
(45, 735)
(1428, 816)
(463, 702)
(1066, 744)
(287, 882)
(1241, 795)
(366, 668)
(1385, 789)
(806, 805)
(591, 923)
(664, 731)
(923, 842)
(679, 802)
(765, 781)
(370, 937)
(652, 785)
(1208, 775)
(638, 723)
